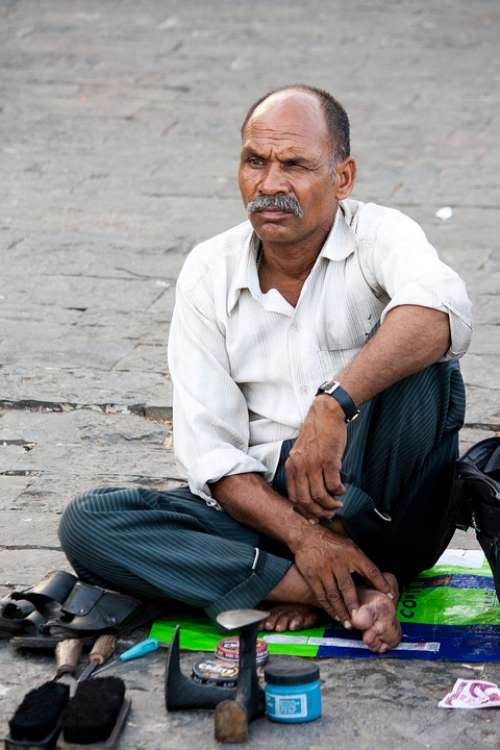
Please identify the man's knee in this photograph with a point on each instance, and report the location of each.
(75, 528)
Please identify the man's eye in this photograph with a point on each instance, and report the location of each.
(254, 161)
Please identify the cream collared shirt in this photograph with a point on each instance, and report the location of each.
(246, 365)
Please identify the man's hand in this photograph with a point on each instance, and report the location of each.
(326, 561)
(313, 466)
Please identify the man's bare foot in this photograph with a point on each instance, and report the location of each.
(376, 617)
(294, 617)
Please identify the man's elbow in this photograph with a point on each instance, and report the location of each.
(443, 334)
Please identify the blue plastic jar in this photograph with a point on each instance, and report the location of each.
(293, 693)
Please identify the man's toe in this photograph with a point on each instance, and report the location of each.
(270, 623)
(283, 623)
(372, 640)
(363, 618)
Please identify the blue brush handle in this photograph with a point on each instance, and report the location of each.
(140, 649)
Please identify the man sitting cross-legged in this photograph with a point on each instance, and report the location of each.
(317, 401)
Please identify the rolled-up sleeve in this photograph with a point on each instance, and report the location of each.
(403, 264)
(211, 426)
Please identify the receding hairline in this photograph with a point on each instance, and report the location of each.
(335, 116)
(280, 94)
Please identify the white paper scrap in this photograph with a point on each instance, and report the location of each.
(472, 694)
(444, 213)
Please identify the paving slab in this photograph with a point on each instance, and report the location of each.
(118, 152)
(57, 389)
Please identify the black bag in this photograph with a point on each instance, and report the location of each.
(477, 499)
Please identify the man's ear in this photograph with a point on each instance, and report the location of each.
(345, 173)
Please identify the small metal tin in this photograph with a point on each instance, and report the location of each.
(229, 650)
(293, 691)
(215, 672)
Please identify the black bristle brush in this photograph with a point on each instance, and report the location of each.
(96, 714)
(35, 723)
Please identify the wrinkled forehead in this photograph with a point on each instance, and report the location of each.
(295, 115)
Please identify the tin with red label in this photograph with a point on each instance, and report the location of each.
(228, 649)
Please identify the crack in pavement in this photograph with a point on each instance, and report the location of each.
(17, 547)
(28, 446)
(34, 405)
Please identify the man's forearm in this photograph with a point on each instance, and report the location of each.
(250, 500)
(411, 338)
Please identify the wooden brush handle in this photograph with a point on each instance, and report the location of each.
(103, 648)
(68, 654)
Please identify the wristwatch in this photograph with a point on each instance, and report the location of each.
(335, 390)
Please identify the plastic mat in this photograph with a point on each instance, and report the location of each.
(448, 613)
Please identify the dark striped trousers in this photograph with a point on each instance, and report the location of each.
(169, 545)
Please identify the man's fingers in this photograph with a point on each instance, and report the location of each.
(333, 481)
(291, 482)
(300, 494)
(304, 499)
(347, 590)
(369, 570)
(332, 601)
(297, 484)
(320, 494)
(325, 604)
(303, 491)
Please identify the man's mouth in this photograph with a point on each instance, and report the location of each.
(273, 212)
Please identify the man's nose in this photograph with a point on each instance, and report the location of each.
(273, 180)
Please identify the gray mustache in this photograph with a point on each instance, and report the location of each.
(280, 201)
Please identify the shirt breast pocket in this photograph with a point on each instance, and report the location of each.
(349, 314)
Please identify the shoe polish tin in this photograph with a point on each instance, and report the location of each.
(215, 672)
(293, 692)
(228, 649)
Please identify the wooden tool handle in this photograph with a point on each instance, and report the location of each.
(68, 654)
(103, 648)
(230, 722)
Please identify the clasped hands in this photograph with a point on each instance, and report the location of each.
(326, 559)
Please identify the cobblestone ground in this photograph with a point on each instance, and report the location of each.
(118, 151)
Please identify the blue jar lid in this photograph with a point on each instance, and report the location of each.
(291, 672)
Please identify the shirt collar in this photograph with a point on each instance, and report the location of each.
(246, 270)
(339, 244)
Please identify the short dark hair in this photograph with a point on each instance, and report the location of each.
(336, 117)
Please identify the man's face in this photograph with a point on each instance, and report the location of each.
(287, 151)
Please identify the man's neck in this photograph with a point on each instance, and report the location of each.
(286, 267)
(293, 260)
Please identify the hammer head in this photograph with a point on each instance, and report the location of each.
(235, 619)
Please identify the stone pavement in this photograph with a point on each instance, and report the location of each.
(118, 151)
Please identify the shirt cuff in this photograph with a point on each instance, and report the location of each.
(218, 463)
(460, 321)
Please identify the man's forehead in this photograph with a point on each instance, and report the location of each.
(290, 113)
